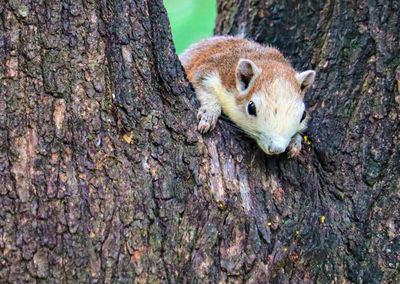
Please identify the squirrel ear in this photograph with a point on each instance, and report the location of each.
(306, 78)
(246, 73)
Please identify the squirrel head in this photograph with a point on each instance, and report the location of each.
(270, 102)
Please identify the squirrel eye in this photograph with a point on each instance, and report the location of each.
(303, 117)
(251, 108)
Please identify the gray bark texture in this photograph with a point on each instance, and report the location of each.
(104, 178)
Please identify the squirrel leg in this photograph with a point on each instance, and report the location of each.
(295, 146)
(209, 111)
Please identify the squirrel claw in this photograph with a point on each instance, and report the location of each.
(295, 146)
(208, 120)
(294, 151)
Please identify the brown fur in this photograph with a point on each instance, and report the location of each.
(223, 53)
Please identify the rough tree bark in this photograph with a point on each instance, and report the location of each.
(103, 177)
(350, 173)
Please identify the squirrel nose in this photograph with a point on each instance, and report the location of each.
(276, 149)
(277, 145)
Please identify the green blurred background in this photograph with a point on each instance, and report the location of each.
(191, 20)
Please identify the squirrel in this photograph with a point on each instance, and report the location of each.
(254, 85)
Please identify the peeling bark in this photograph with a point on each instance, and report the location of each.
(104, 178)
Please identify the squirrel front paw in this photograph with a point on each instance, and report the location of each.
(295, 146)
(208, 118)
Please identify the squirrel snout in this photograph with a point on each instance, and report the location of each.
(277, 145)
(276, 149)
(273, 145)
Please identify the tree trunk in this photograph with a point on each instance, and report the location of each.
(338, 207)
(98, 144)
(104, 178)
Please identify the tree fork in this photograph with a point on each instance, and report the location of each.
(107, 180)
